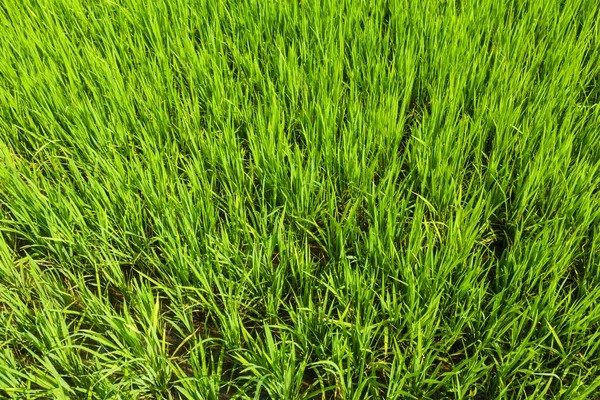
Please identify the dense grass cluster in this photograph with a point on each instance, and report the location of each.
(211, 199)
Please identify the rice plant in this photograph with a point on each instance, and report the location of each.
(299, 199)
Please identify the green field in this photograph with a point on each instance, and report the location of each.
(300, 199)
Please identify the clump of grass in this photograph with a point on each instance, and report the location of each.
(299, 199)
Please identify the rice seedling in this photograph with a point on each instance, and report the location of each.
(215, 199)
